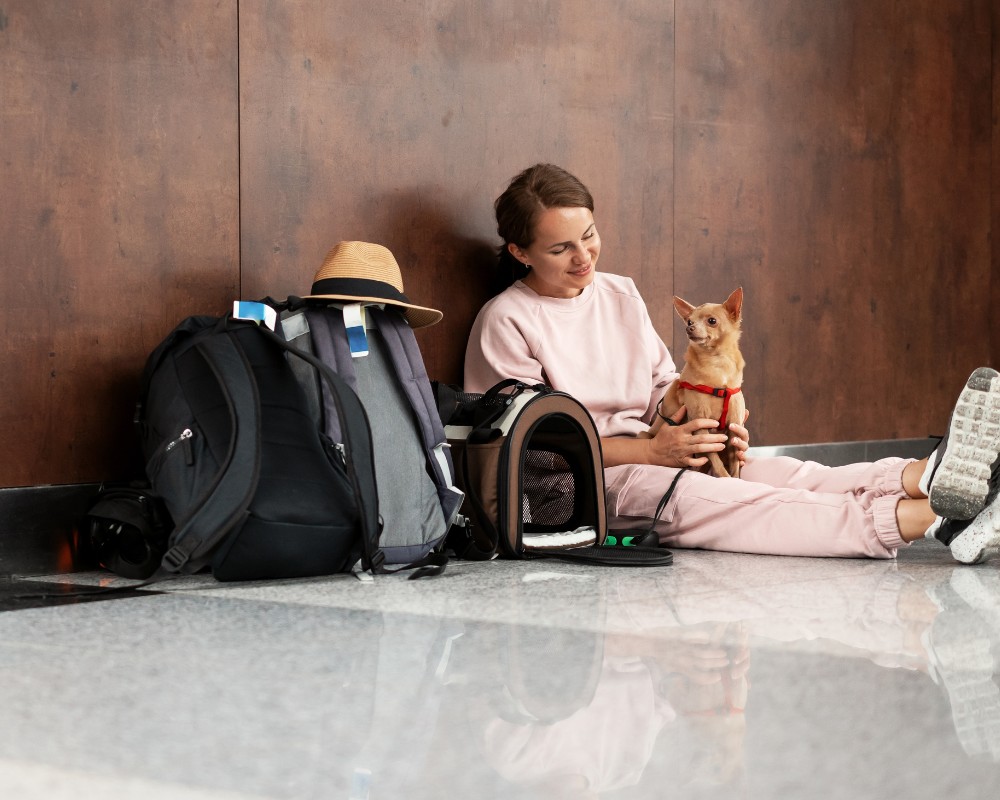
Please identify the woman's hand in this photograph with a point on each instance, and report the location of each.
(680, 444)
(684, 445)
(741, 438)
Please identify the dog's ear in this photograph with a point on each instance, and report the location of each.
(683, 308)
(734, 305)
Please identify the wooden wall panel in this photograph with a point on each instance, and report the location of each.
(833, 158)
(994, 318)
(400, 124)
(118, 214)
(837, 165)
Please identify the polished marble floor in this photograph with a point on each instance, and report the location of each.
(721, 676)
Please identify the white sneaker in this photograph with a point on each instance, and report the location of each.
(970, 451)
(971, 542)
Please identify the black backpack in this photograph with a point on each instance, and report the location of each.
(255, 489)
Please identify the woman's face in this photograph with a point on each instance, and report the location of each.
(563, 257)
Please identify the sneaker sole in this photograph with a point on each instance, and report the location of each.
(980, 539)
(970, 553)
(961, 484)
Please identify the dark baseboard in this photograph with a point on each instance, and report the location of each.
(836, 454)
(38, 529)
(38, 525)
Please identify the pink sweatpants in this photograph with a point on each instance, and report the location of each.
(780, 506)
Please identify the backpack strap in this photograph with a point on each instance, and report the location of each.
(329, 338)
(233, 487)
(409, 366)
(293, 327)
(185, 330)
(355, 435)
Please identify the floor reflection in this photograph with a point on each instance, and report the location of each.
(660, 682)
(720, 677)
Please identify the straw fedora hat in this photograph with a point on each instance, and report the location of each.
(359, 272)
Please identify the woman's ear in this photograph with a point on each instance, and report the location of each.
(518, 253)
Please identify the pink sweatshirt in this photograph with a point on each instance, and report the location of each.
(600, 348)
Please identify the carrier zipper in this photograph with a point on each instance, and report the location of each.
(184, 440)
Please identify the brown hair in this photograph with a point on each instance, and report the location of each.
(534, 190)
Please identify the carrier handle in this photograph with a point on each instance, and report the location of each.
(494, 412)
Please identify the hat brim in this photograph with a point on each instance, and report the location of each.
(416, 316)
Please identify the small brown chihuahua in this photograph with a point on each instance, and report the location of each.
(710, 383)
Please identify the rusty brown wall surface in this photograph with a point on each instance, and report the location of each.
(993, 321)
(837, 165)
(400, 124)
(833, 158)
(118, 212)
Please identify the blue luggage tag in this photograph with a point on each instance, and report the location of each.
(255, 312)
(354, 322)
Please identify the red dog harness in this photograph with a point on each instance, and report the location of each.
(725, 393)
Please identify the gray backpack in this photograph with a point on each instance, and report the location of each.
(417, 497)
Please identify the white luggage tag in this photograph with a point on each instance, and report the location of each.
(255, 312)
(354, 322)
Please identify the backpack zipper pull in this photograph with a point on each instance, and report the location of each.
(341, 452)
(184, 440)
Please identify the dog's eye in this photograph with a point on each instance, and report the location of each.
(713, 321)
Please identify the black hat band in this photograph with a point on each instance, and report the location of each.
(358, 287)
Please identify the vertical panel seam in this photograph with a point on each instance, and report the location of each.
(239, 157)
(673, 181)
